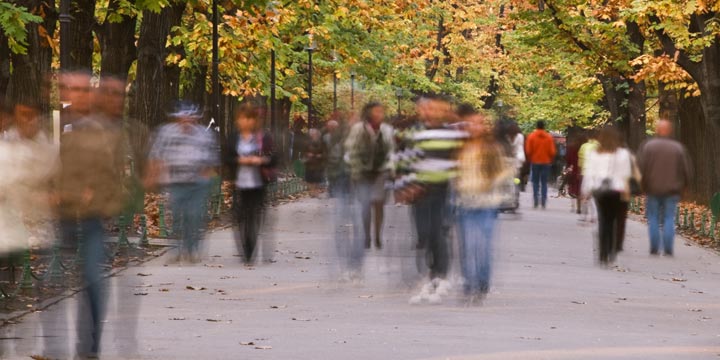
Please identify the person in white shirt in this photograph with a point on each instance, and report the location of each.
(606, 177)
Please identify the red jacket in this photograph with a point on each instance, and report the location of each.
(540, 147)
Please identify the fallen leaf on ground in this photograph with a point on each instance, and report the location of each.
(263, 347)
(177, 318)
(141, 294)
(695, 310)
(278, 306)
(143, 274)
(579, 302)
(198, 288)
(164, 290)
(301, 319)
(366, 296)
(678, 279)
(247, 343)
(213, 320)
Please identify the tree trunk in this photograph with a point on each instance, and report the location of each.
(31, 73)
(117, 45)
(4, 66)
(156, 82)
(700, 135)
(668, 103)
(81, 28)
(625, 100)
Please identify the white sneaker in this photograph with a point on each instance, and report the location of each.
(435, 299)
(443, 287)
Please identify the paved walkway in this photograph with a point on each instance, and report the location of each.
(549, 301)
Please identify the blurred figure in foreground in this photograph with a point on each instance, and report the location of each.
(314, 156)
(28, 161)
(251, 159)
(666, 171)
(482, 186)
(572, 171)
(183, 158)
(587, 205)
(540, 148)
(369, 148)
(336, 169)
(426, 167)
(90, 190)
(607, 179)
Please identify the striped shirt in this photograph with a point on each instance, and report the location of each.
(185, 153)
(429, 156)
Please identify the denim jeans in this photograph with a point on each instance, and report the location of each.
(540, 174)
(92, 254)
(188, 204)
(660, 212)
(477, 229)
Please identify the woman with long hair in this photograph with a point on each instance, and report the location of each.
(251, 161)
(606, 179)
(485, 171)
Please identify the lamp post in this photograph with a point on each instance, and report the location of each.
(352, 90)
(215, 66)
(335, 80)
(65, 20)
(310, 49)
(500, 105)
(399, 94)
(273, 125)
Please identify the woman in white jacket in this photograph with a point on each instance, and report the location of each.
(606, 178)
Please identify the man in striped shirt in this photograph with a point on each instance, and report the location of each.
(426, 165)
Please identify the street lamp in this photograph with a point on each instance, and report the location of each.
(352, 90)
(399, 94)
(215, 66)
(335, 78)
(310, 49)
(500, 105)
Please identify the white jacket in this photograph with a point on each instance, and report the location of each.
(617, 167)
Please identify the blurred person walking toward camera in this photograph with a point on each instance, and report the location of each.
(485, 180)
(251, 159)
(666, 172)
(183, 158)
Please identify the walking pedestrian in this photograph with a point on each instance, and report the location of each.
(573, 172)
(251, 160)
(485, 171)
(90, 190)
(369, 148)
(607, 179)
(540, 148)
(315, 156)
(183, 159)
(666, 171)
(426, 167)
(587, 206)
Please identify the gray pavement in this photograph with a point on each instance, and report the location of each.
(549, 300)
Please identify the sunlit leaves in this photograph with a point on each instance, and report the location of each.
(13, 22)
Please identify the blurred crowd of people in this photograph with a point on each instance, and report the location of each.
(454, 166)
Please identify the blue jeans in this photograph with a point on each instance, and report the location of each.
(477, 228)
(661, 213)
(91, 307)
(540, 174)
(188, 204)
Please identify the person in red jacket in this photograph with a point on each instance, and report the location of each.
(540, 149)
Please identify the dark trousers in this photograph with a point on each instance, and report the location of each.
(249, 206)
(430, 213)
(610, 213)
